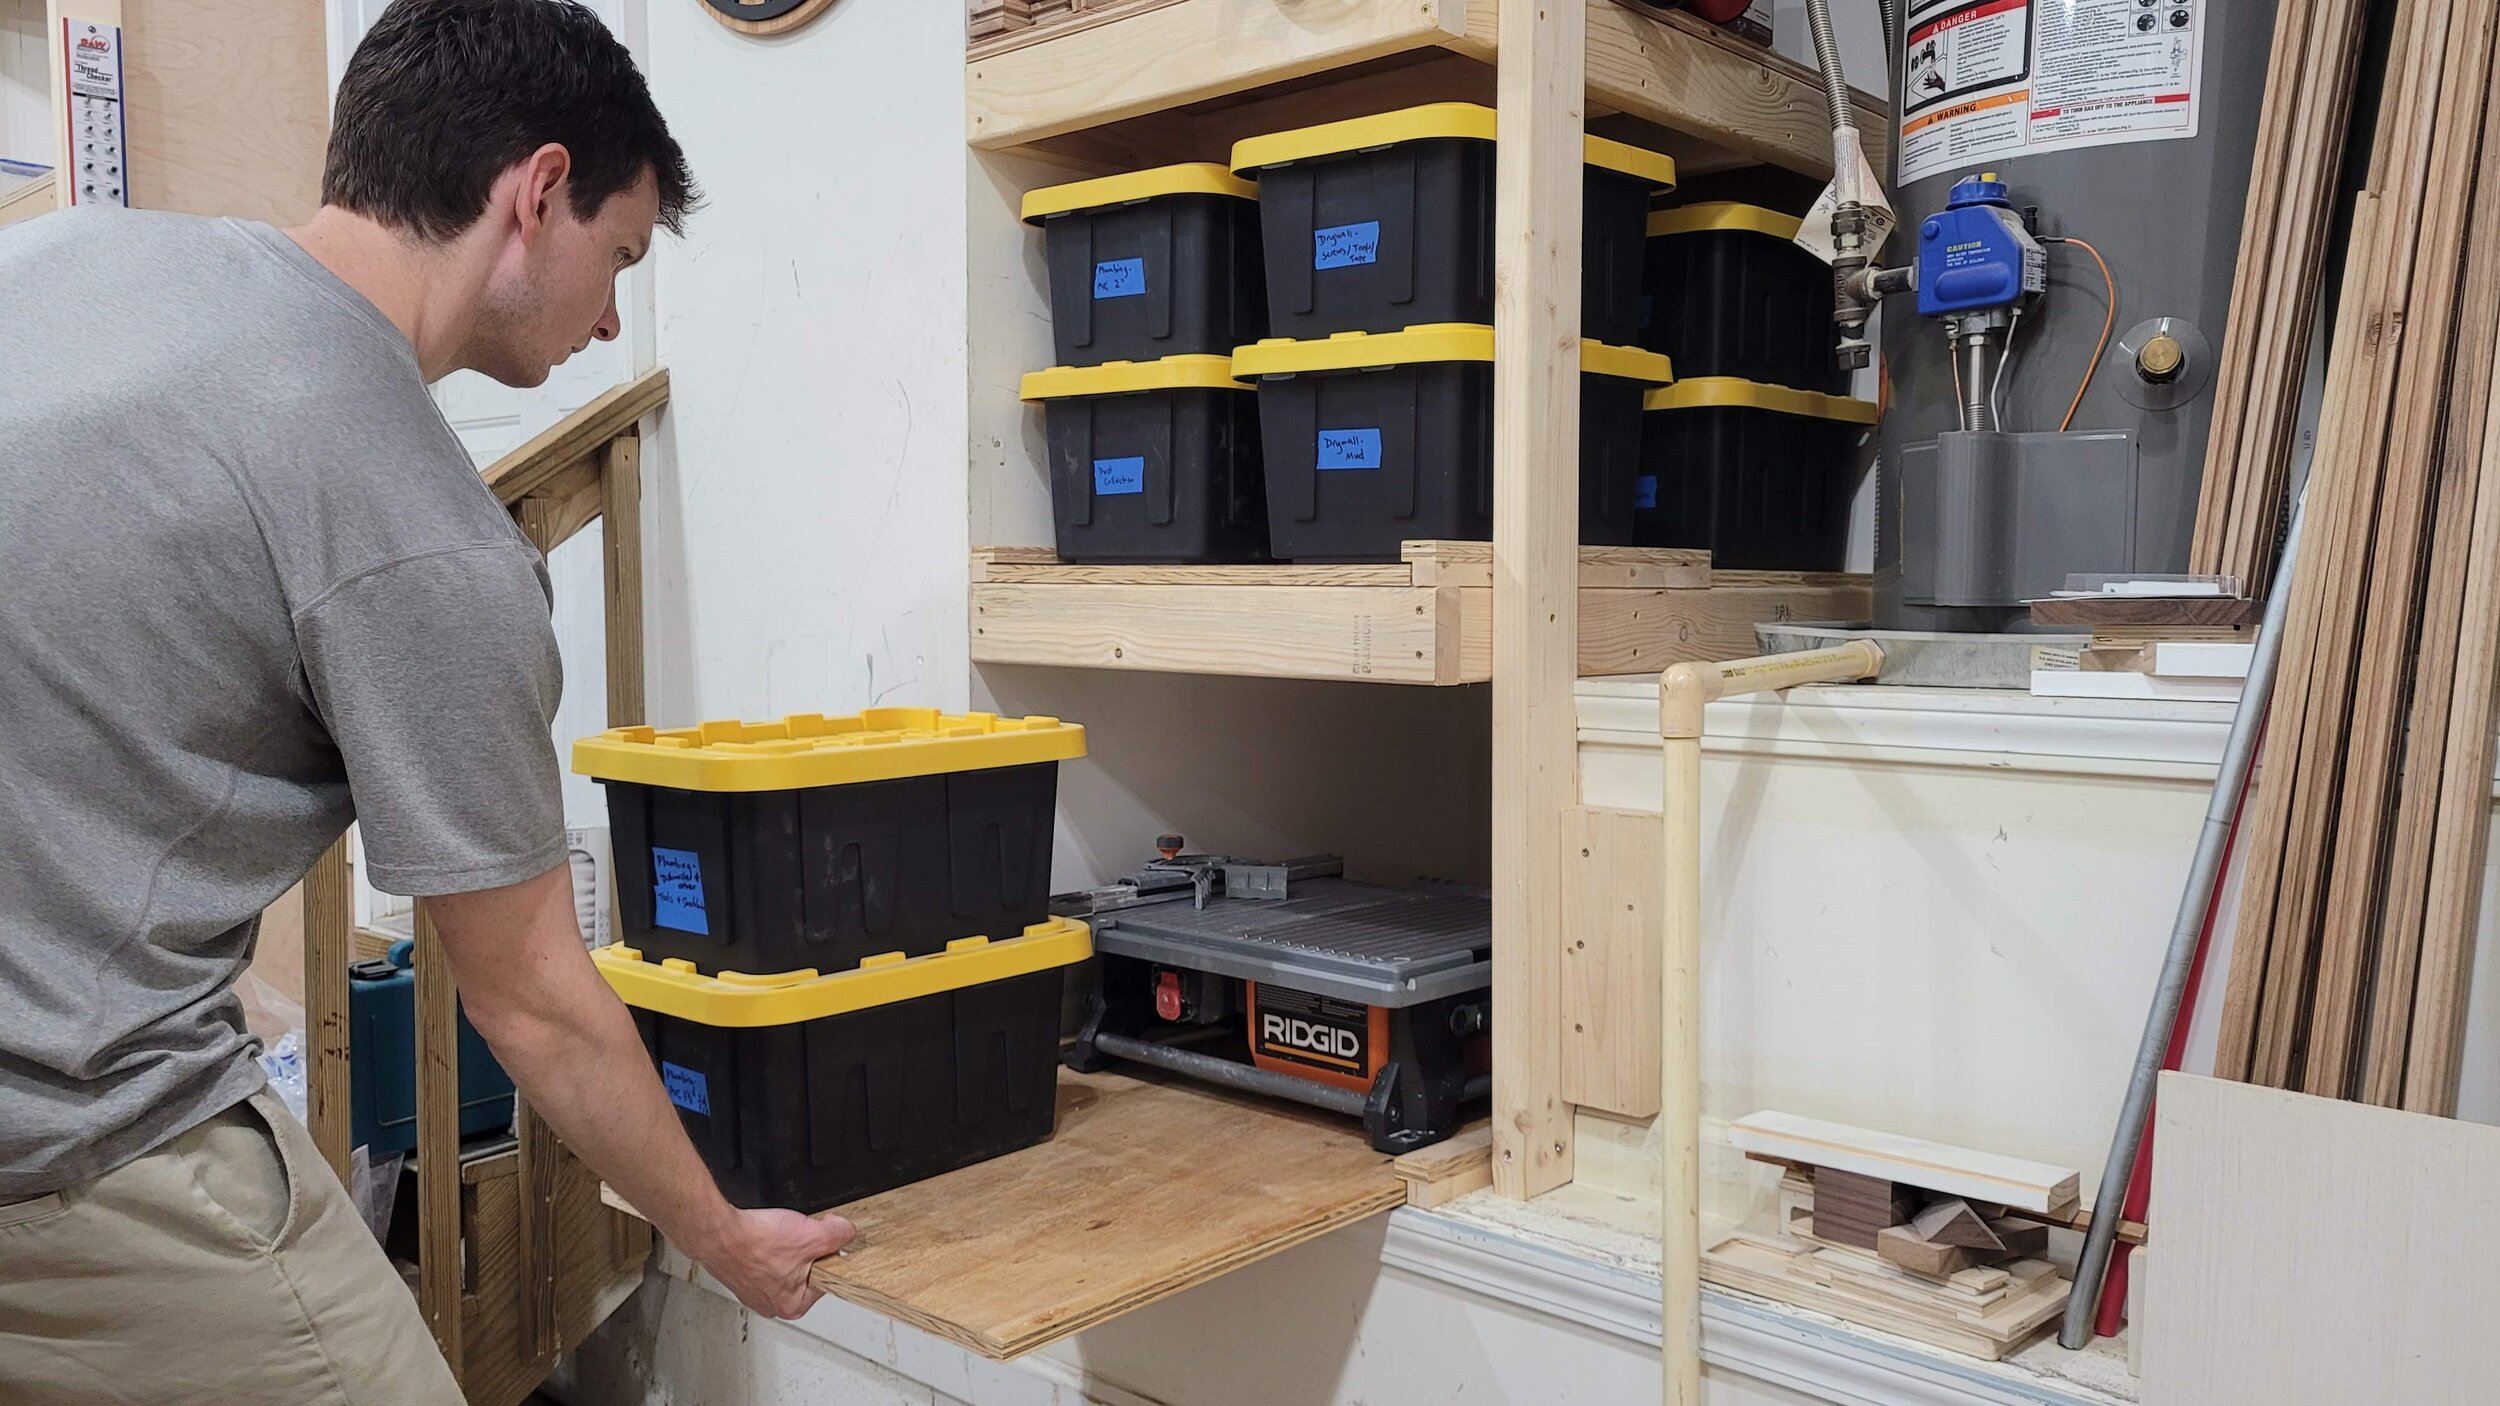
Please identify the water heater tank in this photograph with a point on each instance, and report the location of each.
(2130, 124)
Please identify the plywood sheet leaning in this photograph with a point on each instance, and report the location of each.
(2318, 1252)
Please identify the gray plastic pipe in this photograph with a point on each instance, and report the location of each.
(2203, 875)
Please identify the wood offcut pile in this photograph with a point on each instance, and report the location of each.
(1940, 1244)
(2364, 837)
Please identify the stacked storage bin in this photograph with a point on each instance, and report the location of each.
(1153, 446)
(835, 936)
(1376, 395)
(1753, 454)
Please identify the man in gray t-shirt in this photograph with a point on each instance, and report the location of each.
(251, 589)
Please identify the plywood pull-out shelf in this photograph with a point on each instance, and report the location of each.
(1146, 1189)
(1427, 619)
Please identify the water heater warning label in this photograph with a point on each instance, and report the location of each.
(1985, 80)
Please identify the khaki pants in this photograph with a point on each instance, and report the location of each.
(226, 1267)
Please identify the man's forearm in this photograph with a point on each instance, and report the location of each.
(570, 1046)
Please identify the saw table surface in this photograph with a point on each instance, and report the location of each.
(1360, 942)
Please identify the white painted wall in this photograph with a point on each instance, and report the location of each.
(807, 506)
(25, 85)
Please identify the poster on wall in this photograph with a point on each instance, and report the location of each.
(1984, 80)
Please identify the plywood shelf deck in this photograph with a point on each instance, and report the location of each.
(1148, 1188)
(1425, 620)
(1191, 72)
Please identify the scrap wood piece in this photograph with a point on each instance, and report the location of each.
(1449, 1169)
(1906, 1248)
(2026, 1239)
(1954, 1222)
(1933, 1166)
(2102, 612)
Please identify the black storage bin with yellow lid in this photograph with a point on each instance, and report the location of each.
(808, 1089)
(1761, 475)
(1153, 461)
(823, 842)
(1731, 294)
(1382, 223)
(1151, 264)
(1372, 440)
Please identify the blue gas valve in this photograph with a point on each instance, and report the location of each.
(1975, 254)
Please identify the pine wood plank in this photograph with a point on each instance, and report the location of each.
(1449, 1169)
(1613, 932)
(575, 437)
(1426, 563)
(1146, 1189)
(329, 911)
(1541, 85)
(1167, 57)
(620, 488)
(1931, 1166)
(1368, 634)
(438, 1141)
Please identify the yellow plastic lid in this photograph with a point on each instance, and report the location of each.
(738, 1001)
(1723, 214)
(1471, 121)
(1121, 377)
(1432, 341)
(1188, 178)
(1704, 392)
(810, 749)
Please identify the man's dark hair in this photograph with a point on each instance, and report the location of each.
(444, 96)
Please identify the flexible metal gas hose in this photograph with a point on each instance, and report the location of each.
(1892, 47)
(1827, 56)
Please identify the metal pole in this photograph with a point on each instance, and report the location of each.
(2203, 875)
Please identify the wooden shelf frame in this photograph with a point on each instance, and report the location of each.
(1528, 613)
(1189, 73)
(1427, 620)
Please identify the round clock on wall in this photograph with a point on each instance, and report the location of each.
(765, 16)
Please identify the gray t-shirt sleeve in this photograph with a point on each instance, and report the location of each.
(438, 678)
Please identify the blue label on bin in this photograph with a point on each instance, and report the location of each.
(1119, 278)
(1349, 449)
(1649, 305)
(677, 891)
(1645, 491)
(1113, 477)
(687, 1089)
(1344, 246)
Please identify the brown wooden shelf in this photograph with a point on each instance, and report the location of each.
(1147, 1188)
(1425, 620)
(1184, 80)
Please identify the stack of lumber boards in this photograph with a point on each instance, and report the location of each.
(2364, 837)
(2283, 242)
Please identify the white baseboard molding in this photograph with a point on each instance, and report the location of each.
(1803, 1351)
